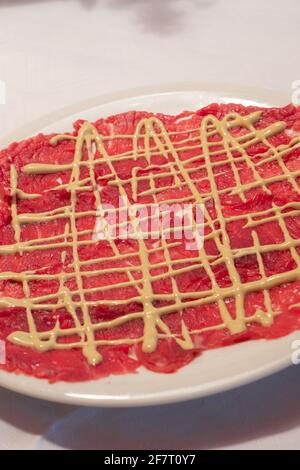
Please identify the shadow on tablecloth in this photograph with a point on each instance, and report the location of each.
(161, 17)
(267, 407)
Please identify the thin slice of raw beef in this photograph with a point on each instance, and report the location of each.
(256, 200)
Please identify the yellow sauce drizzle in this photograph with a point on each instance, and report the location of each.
(156, 141)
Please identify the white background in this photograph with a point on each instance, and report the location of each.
(54, 53)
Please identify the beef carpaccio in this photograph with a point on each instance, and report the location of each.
(77, 305)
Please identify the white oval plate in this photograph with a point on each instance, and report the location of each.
(214, 371)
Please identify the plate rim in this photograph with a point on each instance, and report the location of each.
(242, 91)
(19, 383)
(9, 381)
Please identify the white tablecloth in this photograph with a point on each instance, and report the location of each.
(54, 53)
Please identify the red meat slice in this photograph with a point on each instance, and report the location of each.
(71, 365)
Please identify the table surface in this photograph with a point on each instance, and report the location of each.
(56, 52)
